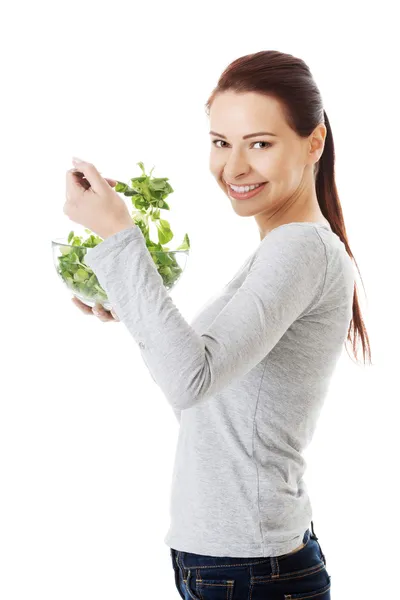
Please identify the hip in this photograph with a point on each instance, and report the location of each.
(297, 575)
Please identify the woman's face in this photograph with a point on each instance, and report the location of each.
(280, 159)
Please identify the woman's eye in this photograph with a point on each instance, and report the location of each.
(215, 143)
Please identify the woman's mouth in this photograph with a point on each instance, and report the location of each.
(245, 195)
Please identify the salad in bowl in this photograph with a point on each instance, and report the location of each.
(148, 199)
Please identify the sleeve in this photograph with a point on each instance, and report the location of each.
(176, 411)
(284, 281)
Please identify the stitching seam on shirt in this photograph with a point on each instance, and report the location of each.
(252, 456)
(326, 264)
(315, 228)
(326, 271)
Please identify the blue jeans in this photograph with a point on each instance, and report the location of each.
(300, 574)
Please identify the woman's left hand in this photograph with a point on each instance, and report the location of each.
(99, 207)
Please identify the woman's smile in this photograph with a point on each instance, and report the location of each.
(245, 195)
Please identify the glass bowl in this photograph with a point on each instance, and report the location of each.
(69, 261)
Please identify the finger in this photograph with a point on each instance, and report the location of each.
(91, 174)
(75, 185)
(84, 182)
(101, 313)
(82, 307)
(102, 317)
(114, 314)
(81, 176)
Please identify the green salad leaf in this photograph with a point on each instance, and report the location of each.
(148, 198)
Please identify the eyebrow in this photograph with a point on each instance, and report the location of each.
(245, 137)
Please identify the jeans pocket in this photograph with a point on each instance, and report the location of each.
(320, 593)
(209, 589)
(295, 575)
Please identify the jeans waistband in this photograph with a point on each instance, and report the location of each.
(192, 559)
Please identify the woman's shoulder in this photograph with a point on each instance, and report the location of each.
(294, 237)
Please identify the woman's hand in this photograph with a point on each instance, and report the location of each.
(98, 310)
(94, 204)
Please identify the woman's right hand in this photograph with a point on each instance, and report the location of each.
(98, 310)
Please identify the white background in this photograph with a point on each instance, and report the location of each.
(87, 440)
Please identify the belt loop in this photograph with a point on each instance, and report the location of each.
(313, 532)
(315, 538)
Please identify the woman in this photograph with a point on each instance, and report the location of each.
(248, 377)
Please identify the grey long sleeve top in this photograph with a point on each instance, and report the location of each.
(246, 379)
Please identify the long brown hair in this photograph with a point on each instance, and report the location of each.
(289, 80)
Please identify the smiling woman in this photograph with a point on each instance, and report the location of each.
(255, 365)
(248, 377)
(274, 95)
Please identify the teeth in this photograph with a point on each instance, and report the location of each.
(246, 188)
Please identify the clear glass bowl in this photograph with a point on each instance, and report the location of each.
(79, 278)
